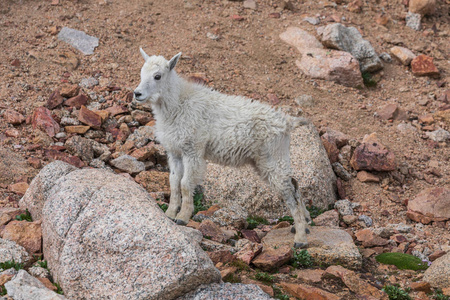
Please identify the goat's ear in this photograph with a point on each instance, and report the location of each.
(144, 55)
(173, 61)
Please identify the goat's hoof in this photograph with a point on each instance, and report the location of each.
(307, 231)
(180, 222)
(300, 245)
(293, 229)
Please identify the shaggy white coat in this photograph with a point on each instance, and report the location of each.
(196, 124)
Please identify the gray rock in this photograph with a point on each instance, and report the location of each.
(60, 135)
(39, 189)
(38, 271)
(439, 135)
(402, 228)
(142, 136)
(312, 21)
(341, 172)
(12, 166)
(414, 21)
(386, 57)
(305, 101)
(9, 251)
(438, 274)
(23, 286)
(68, 121)
(325, 245)
(128, 163)
(244, 188)
(118, 237)
(337, 36)
(78, 39)
(234, 216)
(366, 219)
(345, 207)
(81, 147)
(88, 83)
(227, 291)
(329, 218)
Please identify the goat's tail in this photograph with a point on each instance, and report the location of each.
(298, 121)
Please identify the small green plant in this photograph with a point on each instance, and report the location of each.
(42, 264)
(287, 218)
(438, 295)
(163, 206)
(265, 277)
(3, 291)
(11, 264)
(315, 211)
(240, 265)
(368, 80)
(254, 221)
(396, 293)
(198, 205)
(25, 217)
(278, 294)
(232, 278)
(402, 261)
(58, 289)
(301, 259)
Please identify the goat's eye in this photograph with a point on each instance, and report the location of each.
(157, 77)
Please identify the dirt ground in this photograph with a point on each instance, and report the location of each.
(249, 59)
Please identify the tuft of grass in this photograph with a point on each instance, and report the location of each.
(301, 259)
(240, 265)
(287, 218)
(315, 211)
(198, 205)
(396, 293)
(58, 289)
(278, 294)
(438, 295)
(3, 291)
(232, 278)
(42, 264)
(402, 261)
(264, 277)
(163, 206)
(254, 221)
(368, 80)
(25, 217)
(11, 264)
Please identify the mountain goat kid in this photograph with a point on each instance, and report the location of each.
(196, 124)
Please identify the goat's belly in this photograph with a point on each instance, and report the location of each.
(234, 157)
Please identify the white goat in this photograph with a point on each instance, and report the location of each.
(195, 124)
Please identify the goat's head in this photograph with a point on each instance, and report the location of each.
(154, 77)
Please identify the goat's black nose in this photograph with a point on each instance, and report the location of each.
(137, 94)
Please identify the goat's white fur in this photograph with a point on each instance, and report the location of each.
(195, 124)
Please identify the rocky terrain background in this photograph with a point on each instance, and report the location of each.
(372, 76)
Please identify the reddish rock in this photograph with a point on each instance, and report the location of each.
(12, 132)
(355, 283)
(339, 138)
(57, 155)
(273, 99)
(426, 119)
(249, 252)
(432, 204)
(26, 234)
(423, 65)
(282, 224)
(15, 63)
(212, 231)
(237, 18)
(223, 256)
(142, 117)
(144, 153)
(355, 6)
(48, 284)
(271, 259)
(4, 278)
(274, 15)
(69, 90)
(154, 181)
(373, 156)
(341, 189)
(364, 176)
(309, 276)
(330, 146)
(55, 100)
(9, 213)
(13, 117)
(43, 120)
(103, 114)
(404, 55)
(19, 188)
(392, 112)
(79, 129)
(370, 239)
(304, 291)
(251, 235)
(329, 218)
(436, 254)
(89, 118)
(209, 212)
(116, 110)
(421, 286)
(77, 101)
(123, 133)
(423, 7)
(398, 238)
(34, 162)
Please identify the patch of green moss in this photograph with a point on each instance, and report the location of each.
(402, 261)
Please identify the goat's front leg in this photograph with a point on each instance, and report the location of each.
(176, 173)
(194, 169)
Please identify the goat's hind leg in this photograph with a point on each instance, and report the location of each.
(176, 173)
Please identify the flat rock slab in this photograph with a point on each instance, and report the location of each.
(78, 39)
(117, 235)
(23, 286)
(227, 291)
(244, 188)
(326, 245)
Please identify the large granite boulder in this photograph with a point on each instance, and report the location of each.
(103, 233)
(227, 291)
(438, 274)
(244, 188)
